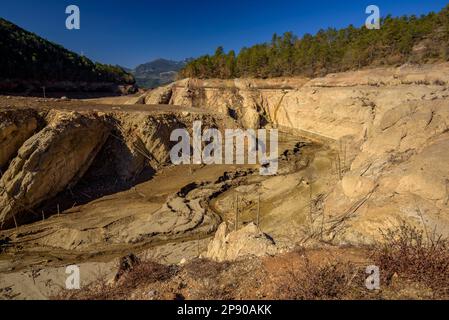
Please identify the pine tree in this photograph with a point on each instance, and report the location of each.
(332, 50)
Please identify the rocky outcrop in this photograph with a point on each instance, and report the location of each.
(248, 241)
(338, 105)
(145, 139)
(48, 162)
(400, 174)
(16, 126)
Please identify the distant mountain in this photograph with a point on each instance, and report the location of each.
(157, 73)
(29, 61)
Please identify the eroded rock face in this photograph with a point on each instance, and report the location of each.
(404, 158)
(248, 241)
(16, 126)
(338, 105)
(236, 100)
(48, 162)
(147, 138)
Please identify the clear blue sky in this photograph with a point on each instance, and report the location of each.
(136, 31)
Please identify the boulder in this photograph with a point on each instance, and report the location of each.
(248, 241)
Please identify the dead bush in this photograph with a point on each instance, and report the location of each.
(322, 281)
(204, 268)
(414, 255)
(142, 274)
(146, 273)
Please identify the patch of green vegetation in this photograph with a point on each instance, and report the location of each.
(399, 40)
(26, 56)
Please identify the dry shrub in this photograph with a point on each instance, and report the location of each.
(146, 273)
(322, 281)
(142, 274)
(204, 268)
(414, 255)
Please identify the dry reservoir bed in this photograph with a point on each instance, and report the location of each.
(120, 195)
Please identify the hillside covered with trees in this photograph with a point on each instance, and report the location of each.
(399, 40)
(28, 57)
